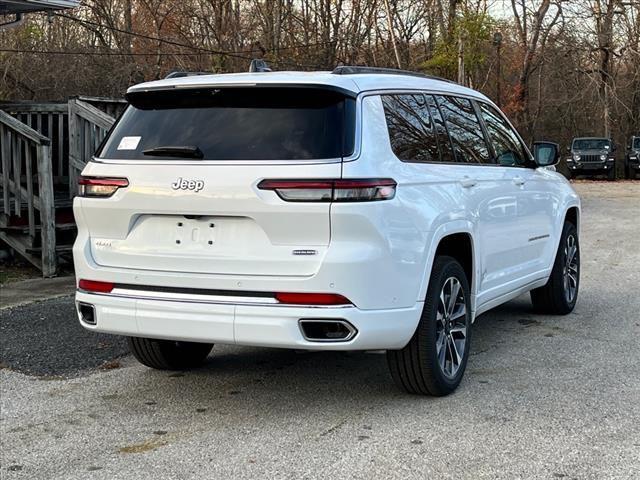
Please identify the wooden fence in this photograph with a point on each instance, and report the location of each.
(43, 148)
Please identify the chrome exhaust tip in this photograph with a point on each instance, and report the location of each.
(87, 313)
(326, 330)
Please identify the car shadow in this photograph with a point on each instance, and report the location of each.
(233, 374)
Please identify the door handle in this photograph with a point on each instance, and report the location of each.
(468, 182)
(518, 180)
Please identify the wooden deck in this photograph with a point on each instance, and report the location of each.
(43, 149)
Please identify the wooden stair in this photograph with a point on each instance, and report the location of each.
(43, 149)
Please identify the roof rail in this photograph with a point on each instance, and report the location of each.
(355, 70)
(180, 74)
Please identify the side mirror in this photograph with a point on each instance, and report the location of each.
(568, 148)
(546, 154)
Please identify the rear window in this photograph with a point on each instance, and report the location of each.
(259, 123)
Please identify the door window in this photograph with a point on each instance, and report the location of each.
(506, 144)
(464, 128)
(411, 130)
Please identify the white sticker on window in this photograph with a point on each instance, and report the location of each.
(129, 143)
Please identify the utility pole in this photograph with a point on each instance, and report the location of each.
(461, 73)
(497, 41)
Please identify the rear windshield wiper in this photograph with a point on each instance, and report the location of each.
(175, 151)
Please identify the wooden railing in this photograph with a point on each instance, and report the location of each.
(49, 120)
(88, 126)
(25, 160)
(44, 148)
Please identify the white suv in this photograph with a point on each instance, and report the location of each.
(359, 209)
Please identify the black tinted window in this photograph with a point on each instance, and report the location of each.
(636, 143)
(464, 129)
(410, 128)
(446, 151)
(507, 146)
(237, 124)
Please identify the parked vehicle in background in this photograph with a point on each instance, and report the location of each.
(592, 156)
(359, 209)
(632, 158)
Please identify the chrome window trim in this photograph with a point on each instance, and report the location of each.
(472, 98)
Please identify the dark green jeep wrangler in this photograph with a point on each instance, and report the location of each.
(632, 159)
(592, 156)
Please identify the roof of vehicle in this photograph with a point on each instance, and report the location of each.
(354, 83)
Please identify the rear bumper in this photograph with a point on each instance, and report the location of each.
(257, 325)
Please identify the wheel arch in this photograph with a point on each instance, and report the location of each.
(454, 239)
(572, 215)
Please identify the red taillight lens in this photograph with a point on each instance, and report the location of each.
(312, 299)
(348, 190)
(95, 286)
(99, 186)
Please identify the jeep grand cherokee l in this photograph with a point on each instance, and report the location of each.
(359, 209)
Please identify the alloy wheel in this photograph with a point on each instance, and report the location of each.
(451, 327)
(570, 271)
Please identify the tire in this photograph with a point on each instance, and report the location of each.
(559, 295)
(611, 174)
(418, 368)
(168, 354)
(631, 173)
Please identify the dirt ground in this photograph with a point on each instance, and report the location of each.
(543, 397)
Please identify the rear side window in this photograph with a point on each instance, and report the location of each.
(464, 128)
(259, 123)
(446, 151)
(411, 130)
(506, 144)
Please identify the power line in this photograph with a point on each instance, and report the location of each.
(99, 54)
(234, 54)
(155, 39)
(116, 54)
(171, 42)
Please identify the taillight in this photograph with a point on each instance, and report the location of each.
(100, 186)
(346, 190)
(312, 299)
(95, 286)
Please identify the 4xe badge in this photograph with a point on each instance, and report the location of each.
(182, 184)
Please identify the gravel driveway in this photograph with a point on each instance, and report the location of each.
(543, 397)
